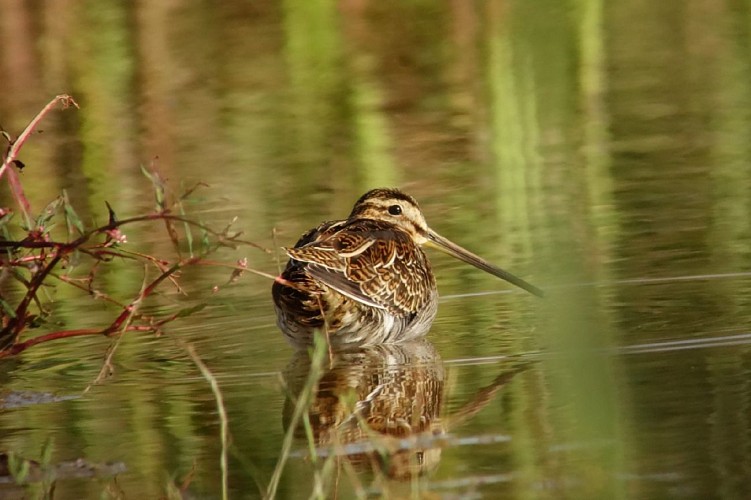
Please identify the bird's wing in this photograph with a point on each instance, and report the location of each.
(372, 263)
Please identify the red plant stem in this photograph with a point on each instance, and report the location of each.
(16, 325)
(16, 146)
(17, 189)
(64, 334)
(22, 260)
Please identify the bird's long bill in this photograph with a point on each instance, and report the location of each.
(437, 241)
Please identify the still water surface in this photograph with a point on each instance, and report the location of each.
(598, 150)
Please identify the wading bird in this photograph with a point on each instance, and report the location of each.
(365, 280)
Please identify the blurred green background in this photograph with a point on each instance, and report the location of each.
(598, 149)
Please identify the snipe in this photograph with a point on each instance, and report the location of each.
(365, 280)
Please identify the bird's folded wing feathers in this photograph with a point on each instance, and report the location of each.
(339, 282)
(377, 271)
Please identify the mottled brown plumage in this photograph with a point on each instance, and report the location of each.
(365, 280)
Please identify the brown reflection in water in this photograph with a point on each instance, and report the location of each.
(381, 407)
(375, 396)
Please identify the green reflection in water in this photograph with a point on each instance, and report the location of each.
(104, 72)
(728, 418)
(532, 108)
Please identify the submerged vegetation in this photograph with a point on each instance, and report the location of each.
(36, 252)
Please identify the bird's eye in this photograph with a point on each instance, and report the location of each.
(395, 210)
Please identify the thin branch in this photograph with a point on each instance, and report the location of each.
(221, 410)
(64, 334)
(9, 334)
(160, 264)
(223, 238)
(301, 407)
(16, 146)
(87, 289)
(213, 263)
(107, 369)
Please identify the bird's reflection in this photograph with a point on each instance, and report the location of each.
(379, 406)
(369, 400)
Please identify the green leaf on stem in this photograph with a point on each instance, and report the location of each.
(48, 214)
(158, 183)
(186, 226)
(7, 309)
(71, 217)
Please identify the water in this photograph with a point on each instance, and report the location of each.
(598, 150)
